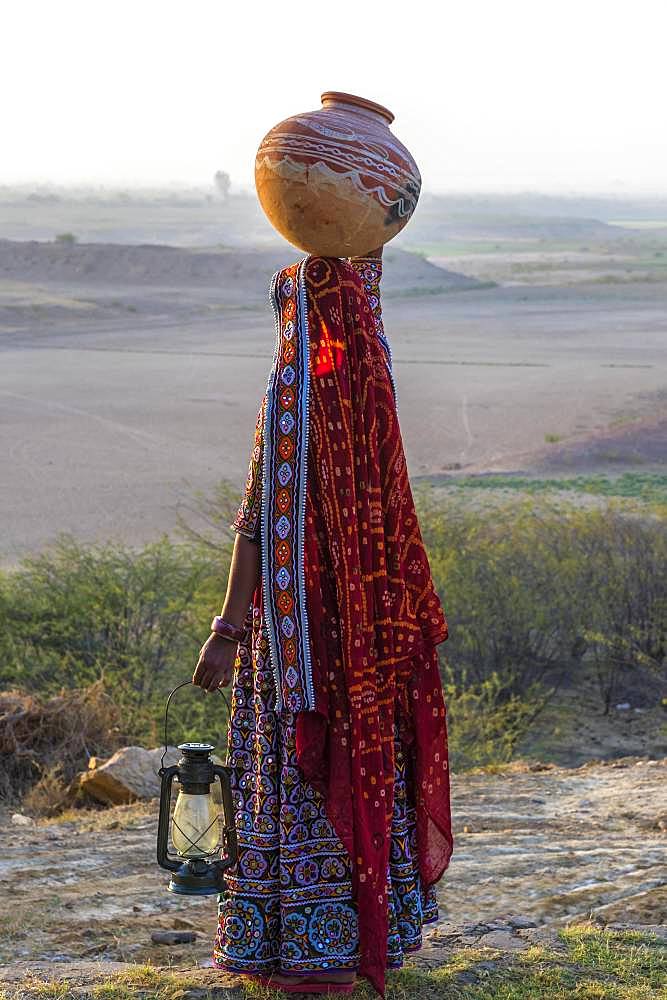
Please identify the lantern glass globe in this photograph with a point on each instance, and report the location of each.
(195, 827)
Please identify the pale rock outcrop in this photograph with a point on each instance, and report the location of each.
(131, 774)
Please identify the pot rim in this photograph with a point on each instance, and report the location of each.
(361, 102)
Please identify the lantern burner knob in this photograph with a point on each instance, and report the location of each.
(196, 747)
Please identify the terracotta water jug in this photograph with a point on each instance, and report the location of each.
(336, 181)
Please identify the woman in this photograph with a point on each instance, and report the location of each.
(338, 719)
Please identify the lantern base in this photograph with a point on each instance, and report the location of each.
(196, 878)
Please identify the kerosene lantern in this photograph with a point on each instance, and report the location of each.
(198, 830)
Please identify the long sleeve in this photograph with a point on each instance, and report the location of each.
(247, 521)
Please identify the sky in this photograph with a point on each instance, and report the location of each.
(488, 95)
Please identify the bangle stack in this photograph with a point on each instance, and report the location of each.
(227, 630)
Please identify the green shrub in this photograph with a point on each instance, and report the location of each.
(79, 613)
(484, 723)
(537, 592)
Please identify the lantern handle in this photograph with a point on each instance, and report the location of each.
(166, 714)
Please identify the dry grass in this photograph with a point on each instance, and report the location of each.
(44, 743)
(119, 817)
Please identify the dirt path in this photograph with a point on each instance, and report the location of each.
(549, 846)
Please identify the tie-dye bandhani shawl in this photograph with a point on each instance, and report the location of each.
(347, 594)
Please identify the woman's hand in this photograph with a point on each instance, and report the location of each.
(215, 666)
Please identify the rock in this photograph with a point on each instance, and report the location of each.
(18, 819)
(498, 924)
(443, 930)
(468, 977)
(131, 774)
(543, 935)
(473, 928)
(660, 930)
(502, 939)
(173, 937)
(520, 922)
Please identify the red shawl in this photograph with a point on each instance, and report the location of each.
(353, 615)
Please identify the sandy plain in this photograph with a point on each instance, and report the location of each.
(130, 374)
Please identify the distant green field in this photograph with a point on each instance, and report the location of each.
(650, 488)
(639, 246)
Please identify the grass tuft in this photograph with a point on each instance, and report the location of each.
(40, 989)
(628, 956)
(163, 985)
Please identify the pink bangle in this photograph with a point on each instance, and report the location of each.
(226, 629)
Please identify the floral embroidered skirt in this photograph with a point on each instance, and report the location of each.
(288, 904)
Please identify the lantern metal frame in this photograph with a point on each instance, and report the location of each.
(196, 773)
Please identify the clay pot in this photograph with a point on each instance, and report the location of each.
(336, 181)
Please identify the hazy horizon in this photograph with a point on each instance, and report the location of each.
(516, 98)
(177, 186)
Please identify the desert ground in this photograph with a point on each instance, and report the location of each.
(536, 848)
(134, 353)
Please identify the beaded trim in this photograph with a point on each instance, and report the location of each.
(284, 493)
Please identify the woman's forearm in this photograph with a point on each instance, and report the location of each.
(243, 577)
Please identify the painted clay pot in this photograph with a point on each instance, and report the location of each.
(336, 181)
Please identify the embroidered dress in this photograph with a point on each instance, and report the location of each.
(316, 874)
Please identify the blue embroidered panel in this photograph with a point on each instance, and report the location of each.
(285, 467)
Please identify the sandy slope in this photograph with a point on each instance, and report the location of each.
(239, 276)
